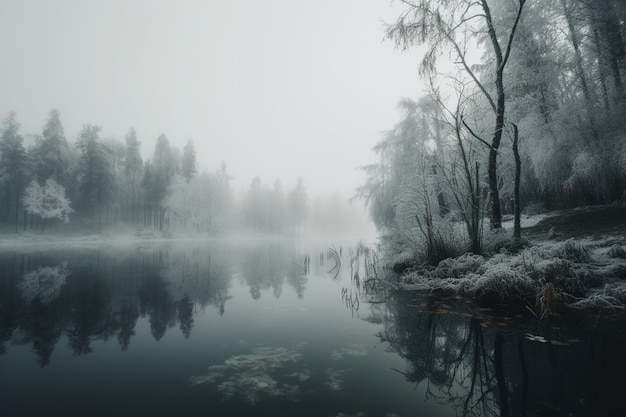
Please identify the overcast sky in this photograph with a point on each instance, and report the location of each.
(276, 88)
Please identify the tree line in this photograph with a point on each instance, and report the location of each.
(524, 109)
(99, 182)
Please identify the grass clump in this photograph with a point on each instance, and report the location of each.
(501, 241)
(502, 283)
(542, 277)
(459, 266)
(611, 296)
(571, 250)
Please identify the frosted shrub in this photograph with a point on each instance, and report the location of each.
(459, 266)
(502, 282)
(611, 296)
(550, 269)
(501, 240)
(571, 250)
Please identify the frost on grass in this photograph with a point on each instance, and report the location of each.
(44, 283)
(569, 267)
(610, 296)
(459, 266)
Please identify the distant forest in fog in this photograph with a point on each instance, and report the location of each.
(525, 110)
(97, 182)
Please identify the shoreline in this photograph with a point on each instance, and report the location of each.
(586, 270)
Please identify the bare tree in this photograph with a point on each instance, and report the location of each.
(449, 26)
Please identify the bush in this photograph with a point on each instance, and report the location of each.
(501, 240)
(459, 266)
(551, 269)
(611, 296)
(501, 282)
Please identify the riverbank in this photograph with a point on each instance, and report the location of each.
(568, 259)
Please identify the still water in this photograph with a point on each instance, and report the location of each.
(279, 328)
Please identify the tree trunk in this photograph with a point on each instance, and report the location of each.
(476, 227)
(517, 229)
(499, 108)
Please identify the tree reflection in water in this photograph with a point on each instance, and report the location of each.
(485, 365)
(102, 294)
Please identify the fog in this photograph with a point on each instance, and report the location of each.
(276, 89)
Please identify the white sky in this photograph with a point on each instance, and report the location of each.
(276, 88)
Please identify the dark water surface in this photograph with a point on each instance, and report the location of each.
(245, 328)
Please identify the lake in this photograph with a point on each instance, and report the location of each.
(255, 327)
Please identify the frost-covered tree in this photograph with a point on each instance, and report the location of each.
(202, 205)
(453, 27)
(47, 202)
(566, 94)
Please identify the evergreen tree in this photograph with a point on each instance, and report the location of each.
(132, 169)
(13, 168)
(51, 152)
(158, 176)
(188, 161)
(298, 205)
(95, 173)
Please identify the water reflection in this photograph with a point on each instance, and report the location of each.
(268, 326)
(91, 295)
(489, 365)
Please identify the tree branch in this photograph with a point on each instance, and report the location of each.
(475, 135)
(512, 35)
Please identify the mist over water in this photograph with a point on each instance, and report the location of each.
(324, 209)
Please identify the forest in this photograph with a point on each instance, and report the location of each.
(524, 111)
(49, 184)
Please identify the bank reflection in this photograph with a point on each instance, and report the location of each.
(484, 364)
(98, 295)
